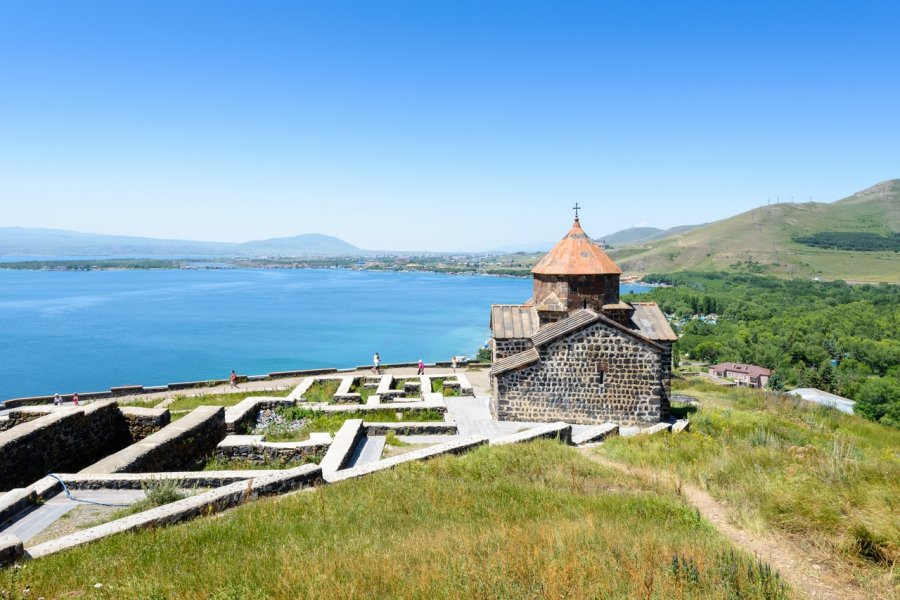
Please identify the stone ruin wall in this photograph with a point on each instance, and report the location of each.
(504, 348)
(565, 384)
(60, 442)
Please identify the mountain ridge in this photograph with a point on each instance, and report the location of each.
(38, 241)
(764, 240)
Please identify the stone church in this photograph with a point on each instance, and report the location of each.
(575, 352)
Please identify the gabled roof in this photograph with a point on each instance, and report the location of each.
(513, 321)
(554, 331)
(581, 319)
(551, 303)
(549, 333)
(576, 254)
(751, 370)
(516, 361)
(652, 322)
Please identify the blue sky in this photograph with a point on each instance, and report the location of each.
(436, 125)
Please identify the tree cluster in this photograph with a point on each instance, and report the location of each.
(829, 335)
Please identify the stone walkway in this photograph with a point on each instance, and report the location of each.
(45, 515)
(368, 450)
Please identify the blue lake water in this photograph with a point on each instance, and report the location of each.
(86, 331)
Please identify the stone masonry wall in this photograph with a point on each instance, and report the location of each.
(144, 421)
(63, 441)
(577, 292)
(567, 385)
(262, 452)
(504, 348)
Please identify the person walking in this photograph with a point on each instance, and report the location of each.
(57, 399)
(453, 364)
(421, 367)
(376, 364)
(75, 399)
(234, 384)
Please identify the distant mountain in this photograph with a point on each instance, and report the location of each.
(768, 240)
(629, 236)
(21, 241)
(636, 235)
(302, 245)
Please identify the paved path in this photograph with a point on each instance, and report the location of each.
(368, 450)
(48, 513)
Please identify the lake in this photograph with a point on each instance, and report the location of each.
(66, 331)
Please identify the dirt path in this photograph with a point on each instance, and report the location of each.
(816, 581)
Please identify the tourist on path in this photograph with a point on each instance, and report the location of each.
(75, 399)
(421, 367)
(453, 364)
(57, 399)
(376, 364)
(234, 384)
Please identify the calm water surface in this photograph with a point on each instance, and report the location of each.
(87, 331)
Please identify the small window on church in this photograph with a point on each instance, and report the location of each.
(602, 368)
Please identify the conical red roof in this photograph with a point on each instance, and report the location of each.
(576, 254)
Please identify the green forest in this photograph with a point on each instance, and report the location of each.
(829, 335)
(852, 240)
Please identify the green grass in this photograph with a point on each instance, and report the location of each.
(530, 521)
(360, 388)
(322, 390)
(218, 464)
(227, 399)
(827, 479)
(397, 384)
(331, 421)
(158, 492)
(437, 386)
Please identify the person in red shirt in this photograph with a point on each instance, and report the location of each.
(234, 384)
(75, 399)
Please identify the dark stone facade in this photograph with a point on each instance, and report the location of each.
(597, 374)
(504, 348)
(577, 291)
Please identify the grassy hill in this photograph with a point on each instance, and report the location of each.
(634, 235)
(542, 520)
(764, 240)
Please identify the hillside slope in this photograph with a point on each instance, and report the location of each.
(635, 235)
(763, 240)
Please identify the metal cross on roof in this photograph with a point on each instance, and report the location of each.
(576, 208)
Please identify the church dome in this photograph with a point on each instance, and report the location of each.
(576, 254)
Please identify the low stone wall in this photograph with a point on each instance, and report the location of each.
(67, 439)
(178, 446)
(341, 450)
(595, 434)
(556, 431)
(455, 447)
(11, 549)
(252, 448)
(202, 504)
(412, 428)
(19, 500)
(135, 481)
(143, 422)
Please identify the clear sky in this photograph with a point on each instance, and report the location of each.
(436, 125)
